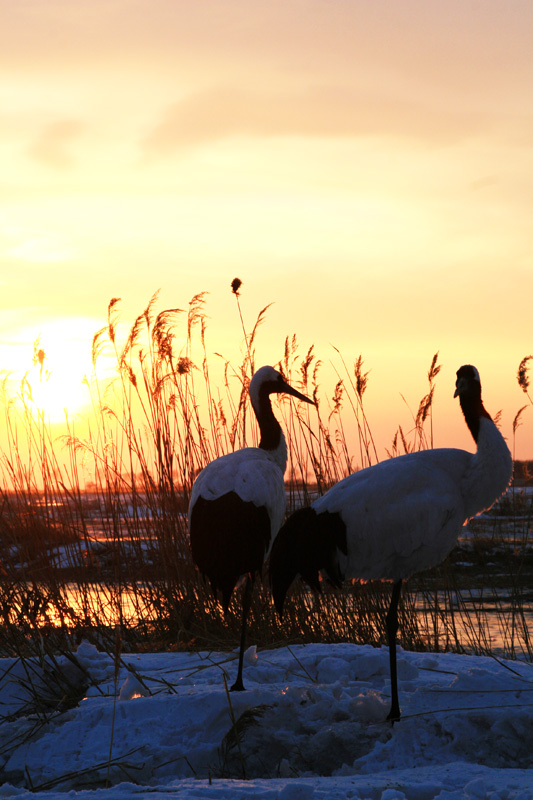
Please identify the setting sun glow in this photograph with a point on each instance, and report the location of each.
(57, 394)
(50, 369)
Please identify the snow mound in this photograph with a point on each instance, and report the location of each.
(311, 724)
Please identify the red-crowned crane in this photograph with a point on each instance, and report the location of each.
(397, 517)
(238, 503)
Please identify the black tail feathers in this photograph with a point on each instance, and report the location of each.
(306, 544)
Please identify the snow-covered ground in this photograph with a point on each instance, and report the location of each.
(310, 725)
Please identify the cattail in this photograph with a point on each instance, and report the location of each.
(405, 445)
(337, 397)
(306, 363)
(147, 313)
(97, 345)
(221, 417)
(133, 336)
(286, 352)
(434, 369)
(522, 377)
(516, 420)
(424, 407)
(195, 314)
(128, 370)
(111, 320)
(393, 452)
(361, 378)
(38, 356)
(184, 366)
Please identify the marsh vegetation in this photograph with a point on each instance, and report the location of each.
(93, 530)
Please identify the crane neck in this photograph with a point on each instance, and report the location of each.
(272, 438)
(492, 465)
(473, 411)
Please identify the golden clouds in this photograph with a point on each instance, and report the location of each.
(53, 145)
(365, 165)
(325, 111)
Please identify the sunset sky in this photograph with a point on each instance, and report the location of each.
(367, 167)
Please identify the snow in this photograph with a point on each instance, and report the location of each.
(312, 726)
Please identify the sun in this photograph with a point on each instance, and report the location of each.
(57, 393)
(56, 382)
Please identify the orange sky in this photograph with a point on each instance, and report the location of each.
(364, 166)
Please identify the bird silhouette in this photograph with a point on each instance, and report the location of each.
(397, 517)
(238, 503)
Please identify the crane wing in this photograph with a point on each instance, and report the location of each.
(252, 475)
(402, 515)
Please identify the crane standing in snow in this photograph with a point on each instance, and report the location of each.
(238, 503)
(397, 517)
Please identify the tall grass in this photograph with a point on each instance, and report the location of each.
(93, 528)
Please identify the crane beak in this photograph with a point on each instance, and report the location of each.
(286, 388)
(459, 386)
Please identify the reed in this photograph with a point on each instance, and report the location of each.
(111, 557)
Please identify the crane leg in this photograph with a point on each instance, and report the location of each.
(238, 686)
(392, 628)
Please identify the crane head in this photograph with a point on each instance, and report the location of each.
(267, 381)
(468, 380)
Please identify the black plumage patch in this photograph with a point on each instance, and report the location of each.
(306, 544)
(229, 538)
(469, 390)
(332, 536)
(270, 427)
